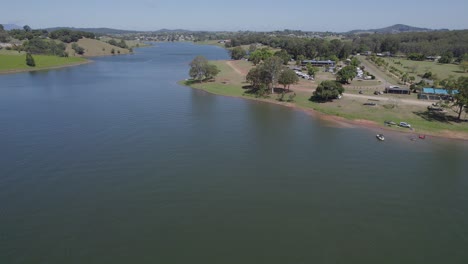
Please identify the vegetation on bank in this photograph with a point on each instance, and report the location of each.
(231, 82)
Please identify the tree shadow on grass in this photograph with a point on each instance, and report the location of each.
(433, 116)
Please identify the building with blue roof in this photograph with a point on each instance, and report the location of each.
(429, 93)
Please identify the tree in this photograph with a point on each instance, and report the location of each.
(288, 77)
(355, 62)
(346, 74)
(260, 55)
(79, 50)
(446, 58)
(30, 60)
(464, 66)
(311, 70)
(255, 77)
(211, 71)
(460, 97)
(284, 56)
(238, 53)
(327, 90)
(200, 69)
(113, 51)
(27, 28)
(273, 67)
(405, 78)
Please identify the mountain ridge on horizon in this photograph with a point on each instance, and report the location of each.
(394, 29)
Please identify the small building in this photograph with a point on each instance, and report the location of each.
(397, 90)
(317, 63)
(437, 94)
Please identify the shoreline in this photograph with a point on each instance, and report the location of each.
(341, 121)
(88, 59)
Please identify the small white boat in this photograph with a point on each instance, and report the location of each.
(380, 137)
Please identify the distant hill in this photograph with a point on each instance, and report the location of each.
(11, 26)
(96, 30)
(112, 31)
(398, 28)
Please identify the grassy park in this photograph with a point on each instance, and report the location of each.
(231, 82)
(17, 62)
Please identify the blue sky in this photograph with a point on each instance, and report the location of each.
(337, 16)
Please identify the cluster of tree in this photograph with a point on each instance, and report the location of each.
(426, 43)
(313, 48)
(265, 75)
(28, 33)
(327, 91)
(44, 46)
(270, 72)
(122, 44)
(201, 70)
(68, 35)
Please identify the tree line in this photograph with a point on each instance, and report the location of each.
(433, 43)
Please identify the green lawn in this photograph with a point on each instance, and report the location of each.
(442, 71)
(18, 62)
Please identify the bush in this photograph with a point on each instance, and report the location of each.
(30, 60)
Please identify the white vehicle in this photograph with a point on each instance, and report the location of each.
(404, 124)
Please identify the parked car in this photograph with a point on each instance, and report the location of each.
(389, 123)
(404, 124)
(435, 108)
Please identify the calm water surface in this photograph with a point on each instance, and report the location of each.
(113, 162)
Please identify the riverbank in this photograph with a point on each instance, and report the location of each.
(349, 111)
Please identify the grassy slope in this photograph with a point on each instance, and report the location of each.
(230, 82)
(95, 47)
(18, 62)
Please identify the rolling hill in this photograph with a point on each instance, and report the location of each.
(398, 28)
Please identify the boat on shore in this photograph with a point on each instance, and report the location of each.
(380, 137)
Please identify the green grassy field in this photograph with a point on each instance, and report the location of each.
(416, 68)
(229, 83)
(18, 62)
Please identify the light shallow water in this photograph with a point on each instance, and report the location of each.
(113, 162)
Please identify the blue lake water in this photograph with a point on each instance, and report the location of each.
(114, 162)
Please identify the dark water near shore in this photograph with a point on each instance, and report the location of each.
(113, 162)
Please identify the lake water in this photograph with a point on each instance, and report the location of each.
(114, 162)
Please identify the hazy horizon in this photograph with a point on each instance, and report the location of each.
(148, 15)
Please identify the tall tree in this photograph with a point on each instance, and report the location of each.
(273, 67)
(288, 77)
(200, 69)
(197, 68)
(346, 74)
(460, 97)
(284, 56)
